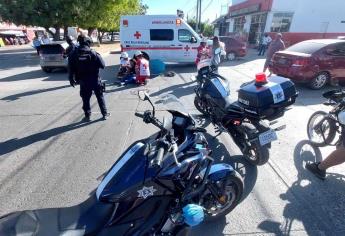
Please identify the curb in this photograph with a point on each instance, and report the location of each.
(115, 51)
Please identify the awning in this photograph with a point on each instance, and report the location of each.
(17, 33)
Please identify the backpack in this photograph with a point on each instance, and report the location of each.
(84, 62)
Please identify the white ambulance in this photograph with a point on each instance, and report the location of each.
(165, 37)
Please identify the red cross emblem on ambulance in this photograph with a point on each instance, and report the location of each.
(187, 48)
(137, 34)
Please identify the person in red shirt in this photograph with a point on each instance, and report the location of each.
(142, 68)
(203, 51)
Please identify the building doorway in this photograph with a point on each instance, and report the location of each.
(257, 27)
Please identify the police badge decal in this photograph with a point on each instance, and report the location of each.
(146, 192)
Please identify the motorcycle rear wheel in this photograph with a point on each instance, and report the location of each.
(325, 134)
(233, 192)
(255, 154)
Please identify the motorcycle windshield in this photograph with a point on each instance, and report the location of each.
(172, 103)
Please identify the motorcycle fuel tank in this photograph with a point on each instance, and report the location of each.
(127, 173)
(218, 89)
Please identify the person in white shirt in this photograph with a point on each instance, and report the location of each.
(45, 39)
(266, 40)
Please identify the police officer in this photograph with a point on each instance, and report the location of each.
(84, 65)
(71, 46)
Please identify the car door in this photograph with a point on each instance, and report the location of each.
(188, 46)
(338, 60)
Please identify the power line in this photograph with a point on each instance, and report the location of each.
(208, 5)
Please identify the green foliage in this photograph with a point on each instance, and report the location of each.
(88, 14)
(205, 27)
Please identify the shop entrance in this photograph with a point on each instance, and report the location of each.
(257, 27)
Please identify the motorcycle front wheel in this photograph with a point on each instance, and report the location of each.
(199, 106)
(321, 130)
(232, 187)
(254, 153)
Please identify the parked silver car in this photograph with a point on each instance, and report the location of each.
(53, 56)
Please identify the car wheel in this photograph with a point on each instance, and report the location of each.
(231, 56)
(47, 70)
(319, 81)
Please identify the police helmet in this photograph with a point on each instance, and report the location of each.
(69, 39)
(138, 53)
(341, 117)
(84, 40)
(124, 55)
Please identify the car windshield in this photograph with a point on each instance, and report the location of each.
(306, 47)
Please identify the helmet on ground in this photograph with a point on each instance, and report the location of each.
(138, 53)
(341, 117)
(124, 55)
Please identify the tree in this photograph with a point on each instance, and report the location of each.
(205, 27)
(104, 15)
(53, 13)
(88, 14)
(143, 8)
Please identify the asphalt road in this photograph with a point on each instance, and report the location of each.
(48, 158)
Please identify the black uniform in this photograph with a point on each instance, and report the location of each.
(84, 65)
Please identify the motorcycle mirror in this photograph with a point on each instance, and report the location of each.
(143, 95)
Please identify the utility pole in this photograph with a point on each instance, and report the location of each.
(197, 17)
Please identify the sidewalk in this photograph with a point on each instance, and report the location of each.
(107, 48)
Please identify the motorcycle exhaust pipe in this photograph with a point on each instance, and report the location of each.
(280, 128)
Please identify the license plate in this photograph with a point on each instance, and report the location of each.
(267, 137)
(53, 58)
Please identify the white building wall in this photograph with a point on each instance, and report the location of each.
(234, 2)
(216, 31)
(246, 26)
(316, 16)
(269, 22)
(231, 25)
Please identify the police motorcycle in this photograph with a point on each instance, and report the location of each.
(250, 120)
(159, 186)
(327, 128)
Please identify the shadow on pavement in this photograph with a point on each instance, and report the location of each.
(179, 90)
(36, 74)
(29, 93)
(19, 50)
(308, 96)
(318, 205)
(15, 144)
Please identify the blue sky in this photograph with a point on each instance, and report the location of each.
(210, 8)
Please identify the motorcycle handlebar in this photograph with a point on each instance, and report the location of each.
(139, 115)
(159, 158)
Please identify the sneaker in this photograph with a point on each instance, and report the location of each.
(106, 116)
(313, 168)
(87, 118)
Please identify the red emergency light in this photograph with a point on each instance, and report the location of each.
(260, 79)
(125, 23)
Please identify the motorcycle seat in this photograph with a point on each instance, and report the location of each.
(235, 107)
(84, 219)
